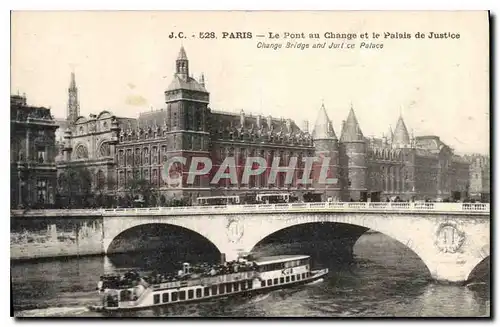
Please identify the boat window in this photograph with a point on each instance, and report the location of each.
(263, 283)
(293, 278)
(164, 297)
(156, 298)
(275, 281)
(282, 280)
(229, 288)
(222, 289)
(198, 292)
(269, 282)
(190, 294)
(249, 284)
(182, 295)
(206, 291)
(287, 279)
(174, 296)
(214, 290)
(243, 286)
(303, 275)
(236, 287)
(298, 276)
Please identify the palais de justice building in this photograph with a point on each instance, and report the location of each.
(119, 149)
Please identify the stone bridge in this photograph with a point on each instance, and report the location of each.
(450, 238)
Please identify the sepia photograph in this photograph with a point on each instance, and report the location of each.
(250, 164)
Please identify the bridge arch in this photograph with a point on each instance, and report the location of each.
(147, 237)
(482, 257)
(388, 227)
(348, 233)
(116, 227)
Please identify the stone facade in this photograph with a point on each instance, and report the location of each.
(118, 150)
(32, 154)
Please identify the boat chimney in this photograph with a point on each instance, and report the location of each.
(222, 258)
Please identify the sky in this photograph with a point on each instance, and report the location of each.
(123, 62)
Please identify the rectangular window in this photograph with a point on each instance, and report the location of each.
(293, 278)
(243, 286)
(156, 298)
(40, 154)
(198, 292)
(214, 290)
(41, 186)
(222, 289)
(269, 282)
(174, 296)
(298, 276)
(229, 288)
(287, 279)
(249, 284)
(182, 295)
(303, 275)
(282, 280)
(164, 297)
(190, 294)
(263, 283)
(236, 287)
(275, 281)
(206, 291)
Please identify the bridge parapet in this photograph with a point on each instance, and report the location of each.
(383, 207)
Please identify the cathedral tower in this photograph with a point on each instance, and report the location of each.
(353, 162)
(73, 111)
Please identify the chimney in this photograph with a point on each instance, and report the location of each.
(305, 126)
(242, 118)
(269, 121)
(258, 121)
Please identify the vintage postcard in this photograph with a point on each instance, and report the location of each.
(250, 164)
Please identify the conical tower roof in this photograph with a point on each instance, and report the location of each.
(323, 128)
(351, 132)
(182, 54)
(401, 135)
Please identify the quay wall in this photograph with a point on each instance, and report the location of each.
(48, 237)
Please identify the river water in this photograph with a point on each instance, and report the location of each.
(385, 279)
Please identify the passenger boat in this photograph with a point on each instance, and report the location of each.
(198, 283)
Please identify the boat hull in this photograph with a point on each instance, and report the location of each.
(315, 277)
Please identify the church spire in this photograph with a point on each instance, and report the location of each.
(323, 127)
(182, 64)
(401, 137)
(73, 111)
(351, 132)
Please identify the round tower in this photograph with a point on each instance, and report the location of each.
(327, 150)
(353, 160)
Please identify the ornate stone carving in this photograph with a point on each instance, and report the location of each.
(234, 230)
(449, 238)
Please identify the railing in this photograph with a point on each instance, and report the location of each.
(278, 207)
(208, 280)
(314, 206)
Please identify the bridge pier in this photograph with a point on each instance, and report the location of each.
(452, 270)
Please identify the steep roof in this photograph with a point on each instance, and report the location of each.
(401, 135)
(323, 127)
(186, 84)
(182, 54)
(351, 132)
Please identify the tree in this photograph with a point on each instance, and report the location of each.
(75, 186)
(140, 189)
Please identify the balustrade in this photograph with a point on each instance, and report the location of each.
(283, 207)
